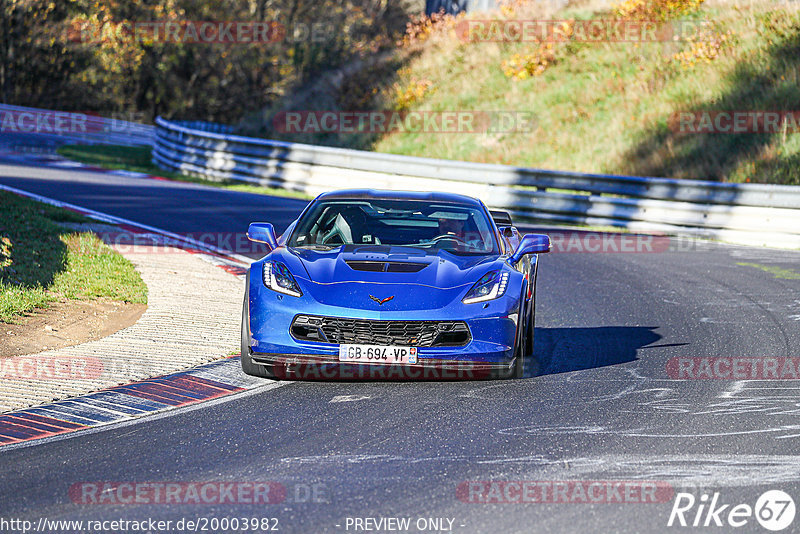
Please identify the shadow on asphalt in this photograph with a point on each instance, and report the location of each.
(561, 350)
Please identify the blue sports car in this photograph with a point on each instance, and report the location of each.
(391, 284)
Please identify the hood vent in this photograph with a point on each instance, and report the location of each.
(387, 266)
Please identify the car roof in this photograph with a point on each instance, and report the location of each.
(374, 194)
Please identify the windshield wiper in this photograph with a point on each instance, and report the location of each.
(317, 246)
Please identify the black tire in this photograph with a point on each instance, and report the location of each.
(521, 350)
(531, 323)
(533, 362)
(248, 367)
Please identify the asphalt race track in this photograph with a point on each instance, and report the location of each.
(601, 408)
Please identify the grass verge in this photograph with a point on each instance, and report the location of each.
(42, 261)
(138, 159)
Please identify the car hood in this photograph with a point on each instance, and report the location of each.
(413, 278)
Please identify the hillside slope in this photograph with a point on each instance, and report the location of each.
(599, 106)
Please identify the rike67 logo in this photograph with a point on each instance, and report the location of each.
(774, 510)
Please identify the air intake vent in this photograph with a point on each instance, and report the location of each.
(376, 332)
(375, 266)
(402, 267)
(387, 266)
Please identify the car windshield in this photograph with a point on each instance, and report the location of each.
(457, 228)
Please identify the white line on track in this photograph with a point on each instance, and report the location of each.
(113, 219)
(349, 398)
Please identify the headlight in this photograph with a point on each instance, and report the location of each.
(278, 278)
(490, 286)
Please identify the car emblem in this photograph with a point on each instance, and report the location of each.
(381, 301)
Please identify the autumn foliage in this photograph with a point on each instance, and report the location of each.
(121, 56)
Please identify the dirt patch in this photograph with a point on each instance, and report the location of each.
(67, 323)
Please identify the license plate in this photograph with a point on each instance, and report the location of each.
(378, 354)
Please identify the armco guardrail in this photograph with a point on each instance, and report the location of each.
(76, 127)
(741, 213)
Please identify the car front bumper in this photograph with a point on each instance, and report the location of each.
(492, 326)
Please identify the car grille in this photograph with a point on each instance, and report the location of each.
(376, 332)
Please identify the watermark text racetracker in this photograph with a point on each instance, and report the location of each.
(146, 243)
(735, 122)
(297, 369)
(38, 367)
(32, 121)
(382, 122)
(564, 492)
(208, 492)
(584, 31)
(578, 241)
(182, 31)
(566, 241)
(733, 368)
(176, 31)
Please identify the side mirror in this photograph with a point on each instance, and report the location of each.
(530, 244)
(262, 233)
(507, 231)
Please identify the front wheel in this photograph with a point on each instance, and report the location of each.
(523, 334)
(248, 367)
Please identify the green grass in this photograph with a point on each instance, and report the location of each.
(605, 107)
(42, 261)
(138, 159)
(777, 272)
